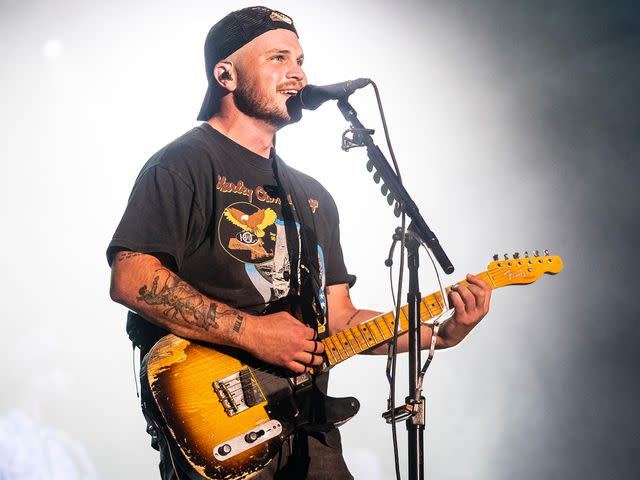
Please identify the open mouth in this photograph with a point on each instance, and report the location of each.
(289, 92)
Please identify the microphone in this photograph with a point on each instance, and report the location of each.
(312, 96)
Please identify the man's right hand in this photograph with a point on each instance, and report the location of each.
(282, 340)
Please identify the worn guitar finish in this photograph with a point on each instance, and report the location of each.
(226, 414)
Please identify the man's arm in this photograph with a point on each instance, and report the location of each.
(471, 303)
(144, 284)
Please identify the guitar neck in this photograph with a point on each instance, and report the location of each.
(377, 330)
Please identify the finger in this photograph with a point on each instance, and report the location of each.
(468, 298)
(296, 367)
(479, 282)
(307, 359)
(478, 293)
(486, 288)
(314, 347)
(316, 360)
(456, 299)
(310, 334)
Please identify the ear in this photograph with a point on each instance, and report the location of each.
(224, 73)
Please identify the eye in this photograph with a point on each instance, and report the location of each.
(278, 58)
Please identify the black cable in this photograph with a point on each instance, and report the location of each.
(392, 352)
(386, 130)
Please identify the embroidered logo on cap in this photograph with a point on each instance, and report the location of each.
(280, 17)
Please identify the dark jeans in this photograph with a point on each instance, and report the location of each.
(304, 457)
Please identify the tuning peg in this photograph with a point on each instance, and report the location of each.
(546, 252)
(526, 254)
(384, 189)
(536, 253)
(516, 255)
(376, 177)
(495, 257)
(506, 256)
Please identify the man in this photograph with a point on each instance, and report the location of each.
(217, 227)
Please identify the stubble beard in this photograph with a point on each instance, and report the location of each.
(248, 101)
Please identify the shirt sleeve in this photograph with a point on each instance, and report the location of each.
(162, 216)
(336, 271)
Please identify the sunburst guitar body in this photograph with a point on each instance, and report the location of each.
(225, 414)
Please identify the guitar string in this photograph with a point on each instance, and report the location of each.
(424, 317)
(344, 352)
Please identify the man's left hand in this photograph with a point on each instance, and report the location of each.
(472, 304)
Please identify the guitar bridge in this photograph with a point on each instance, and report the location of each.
(238, 392)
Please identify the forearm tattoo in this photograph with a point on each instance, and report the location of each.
(180, 301)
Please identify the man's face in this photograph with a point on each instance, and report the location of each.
(269, 71)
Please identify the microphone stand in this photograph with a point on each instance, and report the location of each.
(418, 231)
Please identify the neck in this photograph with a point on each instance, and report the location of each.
(253, 134)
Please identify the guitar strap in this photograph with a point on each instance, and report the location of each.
(302, 246)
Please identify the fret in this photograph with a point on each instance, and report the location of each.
(351, 338)
(363, 335)
(345, 343)
(386, 325)
(338, 343)
(404, 311)
(425, 316)
(335, 348)
(438, 296)
(372, 333)
(390, 325)
(329, 354)
(384, 317)
(375, 322)
(429, 303)
(362, 349)
(426, 306)
(486, 276)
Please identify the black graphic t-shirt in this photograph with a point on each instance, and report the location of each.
(203, 200)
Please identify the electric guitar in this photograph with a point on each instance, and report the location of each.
(225, 414)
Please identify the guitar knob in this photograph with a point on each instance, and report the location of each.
(495, 257)
(251, 437)
(516, 255)
(224, 449)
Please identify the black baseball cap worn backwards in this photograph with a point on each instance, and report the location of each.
(228, 35)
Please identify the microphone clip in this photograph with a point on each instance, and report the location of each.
(356, 139)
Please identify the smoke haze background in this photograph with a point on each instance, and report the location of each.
(516, 127)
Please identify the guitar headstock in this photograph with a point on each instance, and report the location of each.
(521, 270)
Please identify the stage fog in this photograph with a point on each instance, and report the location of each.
(516, 128)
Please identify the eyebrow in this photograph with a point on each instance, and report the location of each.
(284, 51)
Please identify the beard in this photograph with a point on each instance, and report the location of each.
(249, 102)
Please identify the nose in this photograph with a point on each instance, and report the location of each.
(297, 73)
